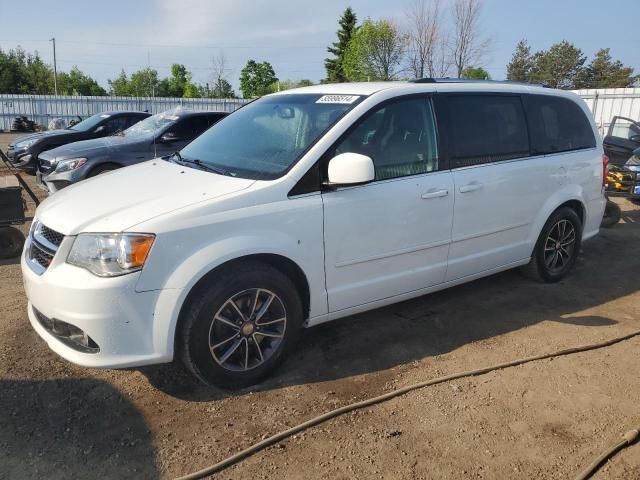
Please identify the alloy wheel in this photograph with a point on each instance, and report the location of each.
(559, 246)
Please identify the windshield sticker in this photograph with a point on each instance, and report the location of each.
(341, 99)
(169, 117)
(104, 115)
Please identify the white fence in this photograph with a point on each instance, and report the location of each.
(605, 103)
(42, 108)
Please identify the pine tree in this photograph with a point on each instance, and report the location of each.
(603, 72)
(335, 71)
(519, 69)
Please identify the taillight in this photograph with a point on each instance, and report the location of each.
(605, 162)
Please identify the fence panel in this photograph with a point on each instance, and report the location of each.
(42, 108)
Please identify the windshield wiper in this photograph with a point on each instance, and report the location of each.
(200, 164)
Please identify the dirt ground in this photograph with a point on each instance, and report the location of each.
(546, 419)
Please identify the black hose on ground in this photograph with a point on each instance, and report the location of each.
(253, 449)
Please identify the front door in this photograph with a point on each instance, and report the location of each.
(391, 236)
(623, 137)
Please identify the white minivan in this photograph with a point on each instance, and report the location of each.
(306, 206)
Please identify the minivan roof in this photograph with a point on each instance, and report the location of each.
(423, 85)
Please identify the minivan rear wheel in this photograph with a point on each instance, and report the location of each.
(240, 326)
(557, 247)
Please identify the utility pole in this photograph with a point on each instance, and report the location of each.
(55, 67)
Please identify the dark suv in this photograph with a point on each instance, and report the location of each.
(24, 150)
(156, 136)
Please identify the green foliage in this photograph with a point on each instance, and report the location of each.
(289, 84)
(558, 67)
(521, 65)
(603, 72)
(75, 82)
(26, 73)
(146, 83)
(475, 73)
(334, 66)
(375, 52)
(256, 79)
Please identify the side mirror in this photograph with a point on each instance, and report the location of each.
(350, 169)
(635, 138)
(168, 137)
(101, 129)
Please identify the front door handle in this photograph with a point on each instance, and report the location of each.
(470, 187)
(436, 194)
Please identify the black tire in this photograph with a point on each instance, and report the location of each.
(198, 330)
(612, 215)
(538, 268)
(11, 242)
(104, 168)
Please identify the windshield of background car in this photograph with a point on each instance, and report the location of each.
(89, 123)
(263, 139)
(150, 124)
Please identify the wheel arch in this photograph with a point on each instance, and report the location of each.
(280, 262)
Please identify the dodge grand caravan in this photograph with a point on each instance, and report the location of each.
(306, 206)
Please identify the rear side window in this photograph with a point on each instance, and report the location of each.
(557, 125)
(486, 128)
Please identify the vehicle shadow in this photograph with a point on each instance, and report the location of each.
(45, 434)
(444, 321)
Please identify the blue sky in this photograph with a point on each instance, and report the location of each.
(292, 35)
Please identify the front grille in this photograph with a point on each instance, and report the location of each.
(51, 235)
(44, 165)
(41, 256)
(44, 245)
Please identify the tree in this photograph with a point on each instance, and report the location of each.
(334, 66)
(375, 52)
(75, 82)
(469, 47)
(26, 73)
(427, 40)
(559, 67)
(144, 83)
(603, 72)
(520, 67)
(475, 73)
(256, 79)
(221, 86)
(120, 85)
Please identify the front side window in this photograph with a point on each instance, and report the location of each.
(485, 129)
(400, 138)
(90, 123)
(557, 125)
(115, 124)
(263, 139)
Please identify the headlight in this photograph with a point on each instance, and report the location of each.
(110, 254)
(25, 143)
(71, 164)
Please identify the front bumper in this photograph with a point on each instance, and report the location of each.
(22, 158)
(122, 322)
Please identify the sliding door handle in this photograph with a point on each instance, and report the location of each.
(434, 194)
(470, 187)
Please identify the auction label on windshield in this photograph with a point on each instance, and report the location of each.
(342, 99)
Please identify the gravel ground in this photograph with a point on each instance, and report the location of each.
(546, 419)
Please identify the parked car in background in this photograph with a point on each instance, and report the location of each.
(622, 138)
(24, 150)
(306, 206)
(156, 136)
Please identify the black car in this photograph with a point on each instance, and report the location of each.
(24, 150)
(157, 136)
(623, 137)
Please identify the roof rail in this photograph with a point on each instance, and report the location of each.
(471, 80)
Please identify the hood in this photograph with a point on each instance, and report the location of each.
(38, 135)
(93, 147)
(118, 200)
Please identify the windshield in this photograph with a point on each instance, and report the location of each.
(263, 139)
(89, 123)
(151, 124)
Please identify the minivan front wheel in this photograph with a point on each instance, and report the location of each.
(557, 247)
(240, 326)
